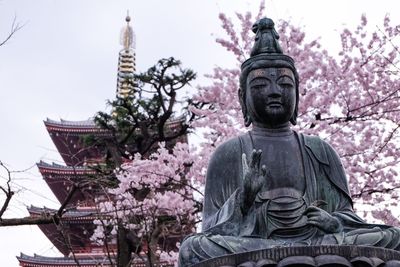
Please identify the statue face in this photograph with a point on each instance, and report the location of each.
(271, 96)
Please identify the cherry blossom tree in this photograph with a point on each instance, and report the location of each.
(155, 203)
(149, 205)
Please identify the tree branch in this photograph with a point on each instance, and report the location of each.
(8, 192)
(15, 26)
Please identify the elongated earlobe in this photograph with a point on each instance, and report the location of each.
(242, 96)
(247, 120)
(293, 119)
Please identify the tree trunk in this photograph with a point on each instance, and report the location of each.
(124, 247)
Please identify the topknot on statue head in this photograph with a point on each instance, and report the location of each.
(266, 53)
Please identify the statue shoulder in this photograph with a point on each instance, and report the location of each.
(226, 159)
(328, 159)
(321, 149)
(232, 147)
(223, 174)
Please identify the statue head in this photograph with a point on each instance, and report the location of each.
(267, 62)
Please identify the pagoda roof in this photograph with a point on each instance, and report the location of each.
(90, 126)
(72, 214)
(39, 261)
(60, 179)
(55, 168)
(67, 137)
(89, 123)
(89, 261)
(82, 126)
(77, 224)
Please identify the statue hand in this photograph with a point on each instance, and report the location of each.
(253, 179)
(323, 220)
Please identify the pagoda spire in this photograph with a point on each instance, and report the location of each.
(126, 61)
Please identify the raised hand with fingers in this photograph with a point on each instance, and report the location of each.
(254, 178)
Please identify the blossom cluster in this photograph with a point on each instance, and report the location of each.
(154, 195)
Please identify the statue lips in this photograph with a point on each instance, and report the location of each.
(274, 104)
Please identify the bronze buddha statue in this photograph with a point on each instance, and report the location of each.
(273, 186)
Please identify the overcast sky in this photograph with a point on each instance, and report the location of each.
(63, 62)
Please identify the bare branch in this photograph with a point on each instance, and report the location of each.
(7, 191)
(373, 190)
(15, 26)
(43, 219)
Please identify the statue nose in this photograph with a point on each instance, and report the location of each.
(275, 91)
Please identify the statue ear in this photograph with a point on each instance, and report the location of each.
(242, 101)
(247, 119)
(293, 119)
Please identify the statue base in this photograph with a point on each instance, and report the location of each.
(309, 256)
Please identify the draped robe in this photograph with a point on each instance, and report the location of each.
(226, 230)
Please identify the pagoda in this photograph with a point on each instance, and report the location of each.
(72, 235)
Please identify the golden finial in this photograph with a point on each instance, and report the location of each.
(127, 35)
(128, 18)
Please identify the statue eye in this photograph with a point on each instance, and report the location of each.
(286, 83)
(258, 86)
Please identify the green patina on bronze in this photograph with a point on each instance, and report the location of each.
(273, 187)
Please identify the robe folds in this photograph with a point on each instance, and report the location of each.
(226, 230)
